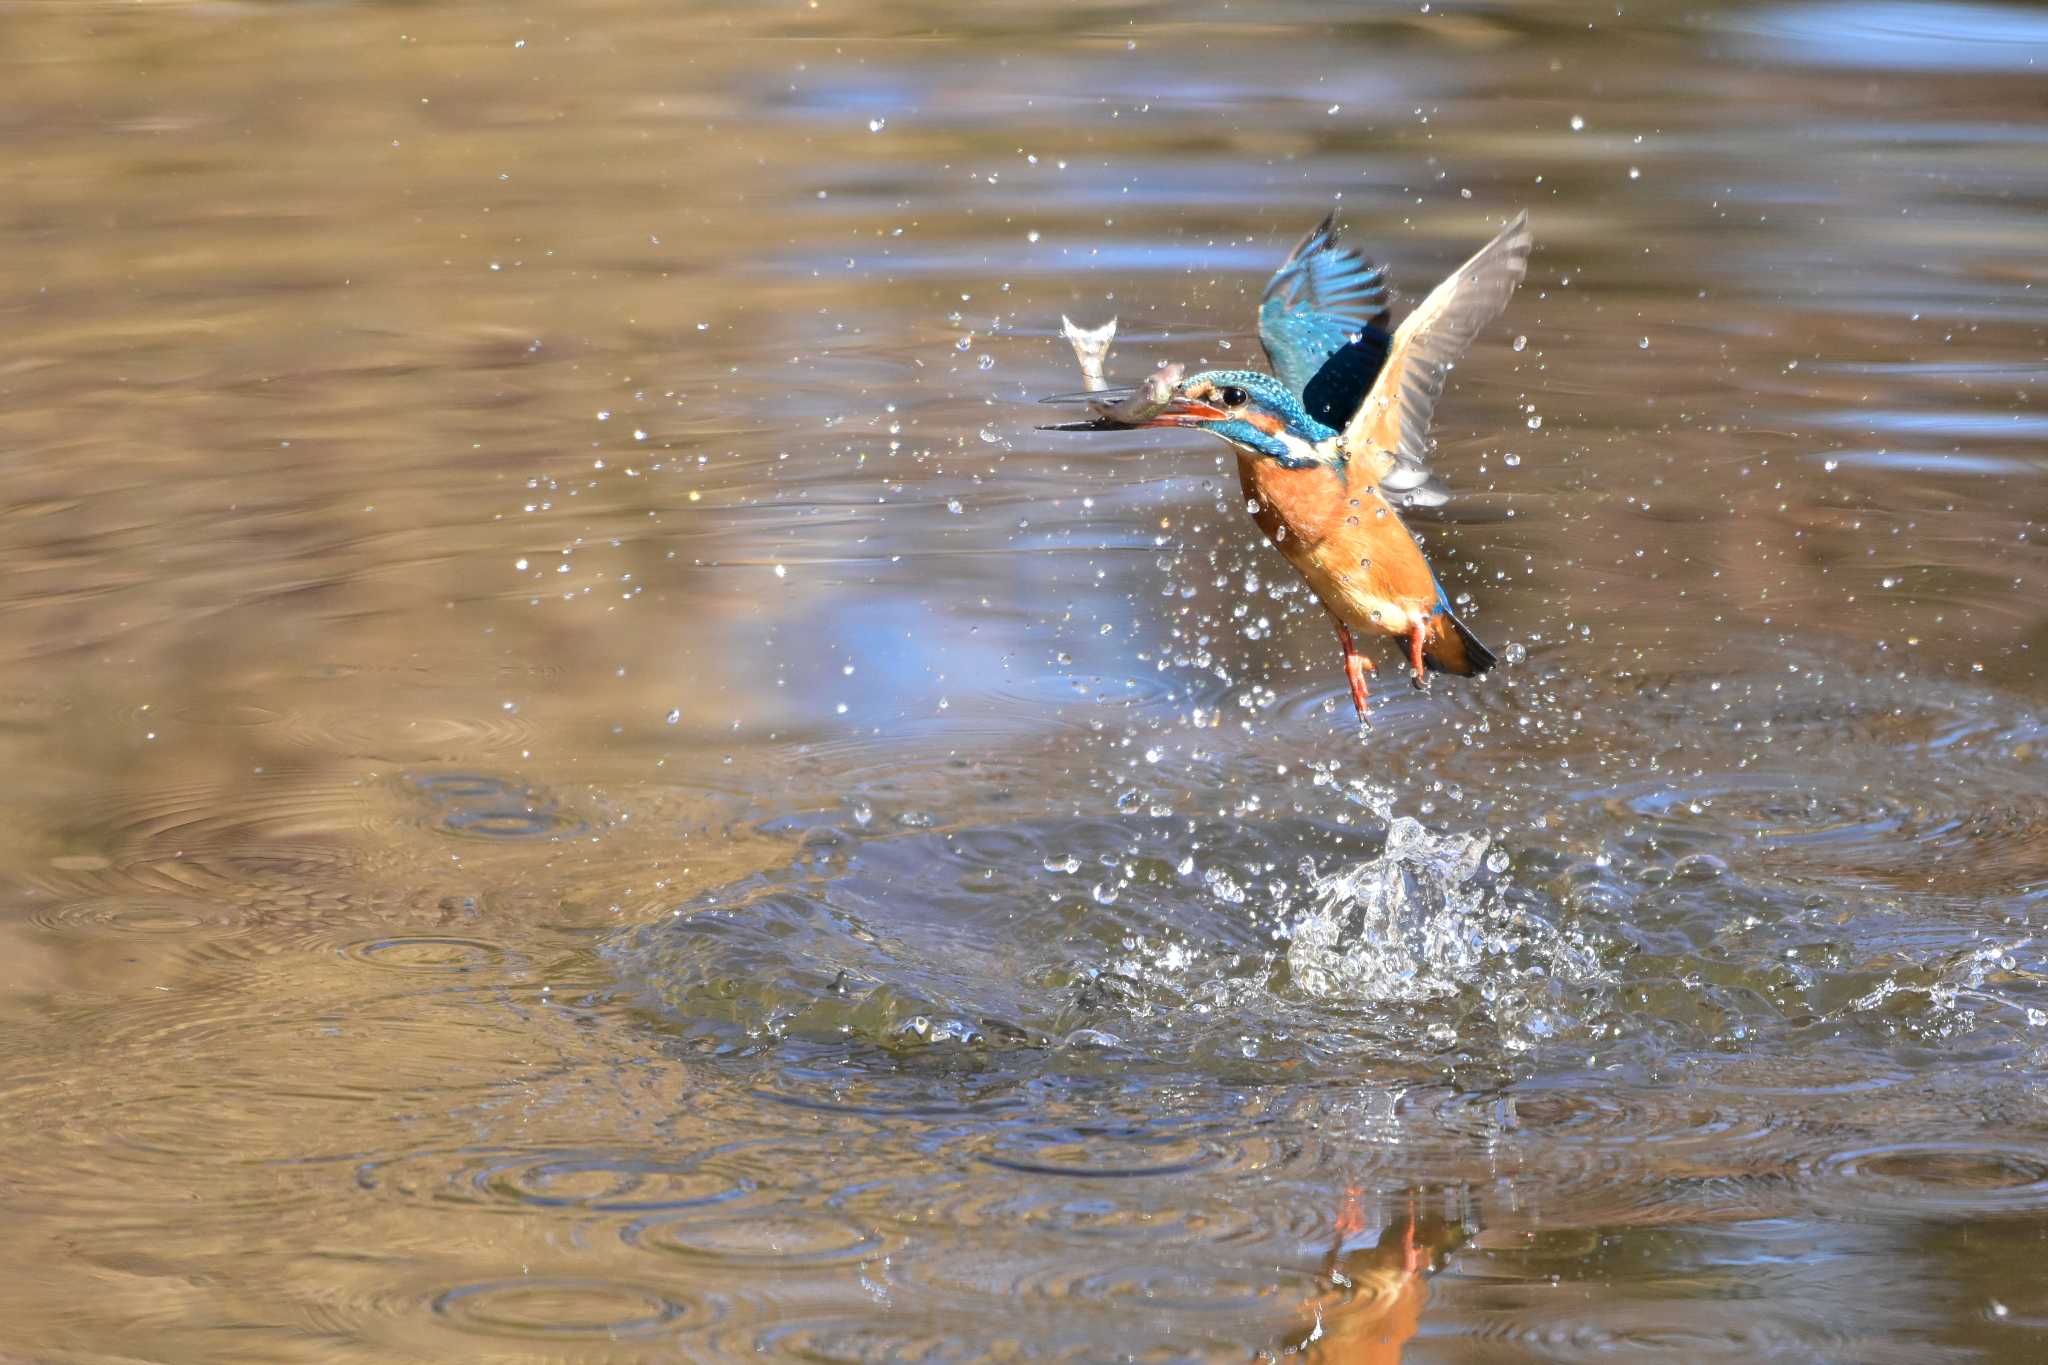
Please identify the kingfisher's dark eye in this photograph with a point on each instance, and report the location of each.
(1233, 396)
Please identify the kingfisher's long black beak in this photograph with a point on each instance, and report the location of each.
(1099, 424)
(1103, 396)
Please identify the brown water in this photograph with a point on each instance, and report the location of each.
(583, 786)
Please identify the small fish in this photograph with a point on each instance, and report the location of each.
(1336, 440)
(1091, 349)
(1138, 404)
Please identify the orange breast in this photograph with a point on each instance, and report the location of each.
(1347, 541)
(1294, 507)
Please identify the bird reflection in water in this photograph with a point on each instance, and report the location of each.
(1378, 1279)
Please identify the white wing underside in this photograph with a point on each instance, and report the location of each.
(1391, 428)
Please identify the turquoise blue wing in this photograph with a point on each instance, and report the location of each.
(1323, 322)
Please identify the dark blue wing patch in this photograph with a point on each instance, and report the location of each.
(1338, 388)
(1323, 303)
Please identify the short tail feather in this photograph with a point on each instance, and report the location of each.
(1457, 650)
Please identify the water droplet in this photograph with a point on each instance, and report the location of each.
(984, 361)
(782, 571)
(1521, 342)
(1031, 236)
(1888, 583)
(519, 564)
(953, 506)
(674, 715)
(1635, 173)
(1535, 424)
(1515, 653)
(1643, 345)
(1830, 465)
(1578, 123)
(1511, 459)
(876, 125)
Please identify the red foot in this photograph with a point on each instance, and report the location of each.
(1356, 666)
(1351, 1218)
(1414, 1258)
(1415, 655)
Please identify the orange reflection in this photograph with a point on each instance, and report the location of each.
(1378, 1283)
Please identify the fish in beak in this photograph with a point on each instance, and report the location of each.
(1150, 404)
(1116, 409)
(1135, 407)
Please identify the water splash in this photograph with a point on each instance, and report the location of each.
(1432, 920)
(1184, 943)
(1406, 925)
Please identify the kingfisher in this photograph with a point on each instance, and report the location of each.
(1335, 441)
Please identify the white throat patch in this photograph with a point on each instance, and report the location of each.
(1302, 449)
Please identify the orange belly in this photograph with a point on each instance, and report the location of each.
(1347, 541)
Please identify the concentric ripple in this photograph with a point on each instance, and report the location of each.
(408, 735)
(163, 1156)
(716, 1179)
(1593, 1112)
(765, 1239)
(148, 917)
(1678, 1332)
(427, 954)
(617, 1183)
(1961, 1178)
(483, 806)
(274, 835)
(1192, 1286)
(560, 1307)
(989, 1204)
(881, 1337)
(1920, 838)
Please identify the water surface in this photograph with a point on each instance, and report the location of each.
(585, 787)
